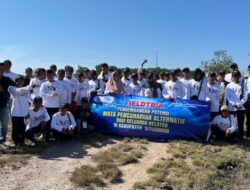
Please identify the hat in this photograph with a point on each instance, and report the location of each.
(63, 106)
(224, 107)
(84, 100)
(233, 66)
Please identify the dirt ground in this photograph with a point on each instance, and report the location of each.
(53, 167)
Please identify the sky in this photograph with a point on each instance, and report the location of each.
(38, 33)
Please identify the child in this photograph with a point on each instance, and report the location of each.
(36, 119)
(63, 123)
(19, 109)
(82, 116)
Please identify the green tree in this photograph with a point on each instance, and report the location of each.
(220, 61)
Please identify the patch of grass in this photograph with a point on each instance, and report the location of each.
(86, 176)
(197, 166)
(110, 171)
(121, 154)
(94, 140)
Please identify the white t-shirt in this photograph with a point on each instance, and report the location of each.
(142, 82)
(224, 123)
(174, 89)
(133, 89)
(36, 89)
(60, 122)
(73, 85)
(229, 78)
(194, 87)
(96, 85)
(35, 118)
(47, 90)
(185, 83)
(161, 82)
(10, 75)
(82, 91)
(213, 95)
(65, 97)
(21, 98)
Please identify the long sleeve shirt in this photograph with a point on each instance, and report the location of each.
(47, 90)
(194, 87)
(35, 118)
(173, 89)
(60, 122)
(236, 96)
(225, 123)
(21, 98)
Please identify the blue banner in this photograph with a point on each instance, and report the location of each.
(156, 118)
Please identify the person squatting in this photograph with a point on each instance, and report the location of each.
(55, 103)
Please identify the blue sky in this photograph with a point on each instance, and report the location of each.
(38, 33)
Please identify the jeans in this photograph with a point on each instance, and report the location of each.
(4, 118)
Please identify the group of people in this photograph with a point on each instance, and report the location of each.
(55, 102)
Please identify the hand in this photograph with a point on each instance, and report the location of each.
(71, 131)
(145, 61)
(55, 94)
(228, 132)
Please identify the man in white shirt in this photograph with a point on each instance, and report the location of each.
(174, 88)
(95, 85)
(73, 86)
(134, 87)
(213, 94)
(197, 88)
(105, 74)
(223, 85)
(125, 78)
(37, 82)
(51, 91)
(162, 79)
(36, 119)
(236, 96)
(151, 88)
(65, 97)
(63, 124)
(224, 126)
(247, 104)
(8, 73)
(233, 68)
(185, 79)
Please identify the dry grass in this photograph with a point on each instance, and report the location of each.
(197, 166)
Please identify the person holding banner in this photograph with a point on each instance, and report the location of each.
(236, 96)
(151, 88)
(197, 88)
(114, 85)
(173, 89)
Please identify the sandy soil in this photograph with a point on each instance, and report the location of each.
(52, 169)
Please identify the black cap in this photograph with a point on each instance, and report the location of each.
(84, 100)
(233, 66)
(212, 74)
(63, 106)
(185, 69)
(236, 74)
(38, 99)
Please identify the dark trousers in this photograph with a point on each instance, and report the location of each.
(51, 112)
(219, 134)
(240, 114)
(18, 129)
(30, 133)
(248, 121)
(60, 136)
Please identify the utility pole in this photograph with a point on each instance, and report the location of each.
(156, 58)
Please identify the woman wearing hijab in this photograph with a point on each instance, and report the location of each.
(114, 84)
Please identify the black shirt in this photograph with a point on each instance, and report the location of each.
(5, 82)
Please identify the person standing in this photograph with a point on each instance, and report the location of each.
(5, 82)
(8, 72)
(185, 79)
(114, 85)
(247, 104)
(236, 96)
(51, 91)
(134, 87)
